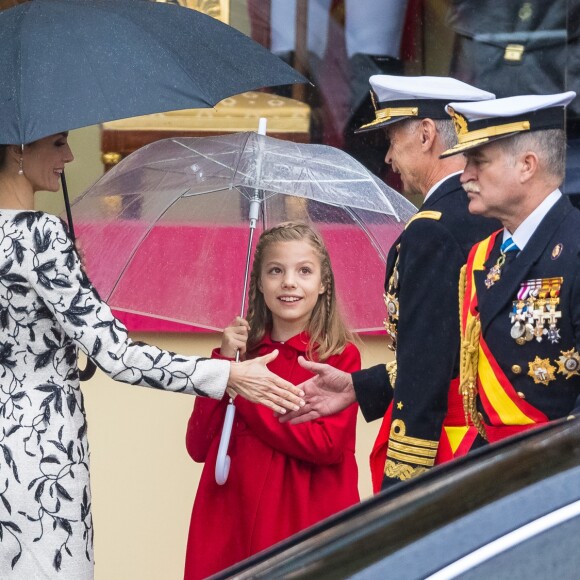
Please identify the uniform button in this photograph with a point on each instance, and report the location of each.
(521, 395)
(516, 369)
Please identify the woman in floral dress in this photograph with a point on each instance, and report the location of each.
(48, 308)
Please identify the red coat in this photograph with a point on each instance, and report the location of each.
(283, 478)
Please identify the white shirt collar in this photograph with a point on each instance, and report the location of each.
(440, 182)
(525, 230)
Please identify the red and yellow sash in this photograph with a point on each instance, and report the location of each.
(456, 437)
(480, 373)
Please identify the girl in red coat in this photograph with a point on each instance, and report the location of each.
(283, 478)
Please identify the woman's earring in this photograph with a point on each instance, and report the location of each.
(20, 169)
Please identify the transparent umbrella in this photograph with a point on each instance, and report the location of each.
(166, 231)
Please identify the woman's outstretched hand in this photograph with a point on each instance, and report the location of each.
(252, 380)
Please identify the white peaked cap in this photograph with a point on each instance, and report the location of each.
(395, 88)
(397, 98)
(511, 106)
(480, 123)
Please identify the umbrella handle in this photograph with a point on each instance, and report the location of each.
(222, 466)
(88, 372)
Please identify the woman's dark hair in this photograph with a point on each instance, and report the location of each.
(3, 150)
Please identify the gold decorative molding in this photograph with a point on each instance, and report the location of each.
(219, 9)
(111, 158)
(234, 114)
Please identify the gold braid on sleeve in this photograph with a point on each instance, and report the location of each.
(469, 356)
(392, 372)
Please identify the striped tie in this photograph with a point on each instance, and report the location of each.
(509, 246)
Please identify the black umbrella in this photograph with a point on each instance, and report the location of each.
(66, 64)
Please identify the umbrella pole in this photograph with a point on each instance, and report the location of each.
(222, 466)
(69, 217)
(89, 370)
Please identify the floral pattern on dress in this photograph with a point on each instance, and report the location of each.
(48, 308)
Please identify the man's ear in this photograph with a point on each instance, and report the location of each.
(427, 133)
(528, 166)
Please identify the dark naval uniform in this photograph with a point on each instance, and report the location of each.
(422, 297)
(527, 327)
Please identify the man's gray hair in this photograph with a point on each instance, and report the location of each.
(549, 146)
(446, 132)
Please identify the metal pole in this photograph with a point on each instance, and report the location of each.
(90, 369)
(69, 217)
(222, 466)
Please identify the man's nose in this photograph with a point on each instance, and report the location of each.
(388, 156)
(467, 175)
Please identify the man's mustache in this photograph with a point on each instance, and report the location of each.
(471, 187)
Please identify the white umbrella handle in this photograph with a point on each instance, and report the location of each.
(222, 466)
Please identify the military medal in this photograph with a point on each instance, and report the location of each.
(535, 313)
(541, 371)
(392, 320)
(569, 363)
(392, 305)
(518, 330)
(553, 314)
(391, 298)
(494, 273)
(522, 330)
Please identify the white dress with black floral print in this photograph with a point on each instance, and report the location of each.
(47, 308)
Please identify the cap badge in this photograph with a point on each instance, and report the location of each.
(459, 121)
(374, 100)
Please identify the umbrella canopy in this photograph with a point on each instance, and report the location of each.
(66, 64)
(165, 232)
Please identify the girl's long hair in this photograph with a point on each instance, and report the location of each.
(326, 327)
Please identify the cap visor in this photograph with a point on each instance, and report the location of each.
(376, 124)
(462, 147)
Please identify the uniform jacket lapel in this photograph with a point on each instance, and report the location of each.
(493, 300)
(447, 187)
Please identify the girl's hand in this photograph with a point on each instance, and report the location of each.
(235, 337)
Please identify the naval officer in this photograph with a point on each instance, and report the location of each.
(416, 394)
(520, 315)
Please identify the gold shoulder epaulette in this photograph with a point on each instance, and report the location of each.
(427, 214)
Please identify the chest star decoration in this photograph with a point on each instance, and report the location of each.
(542, 371)
(569, 363)
(400, 405)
